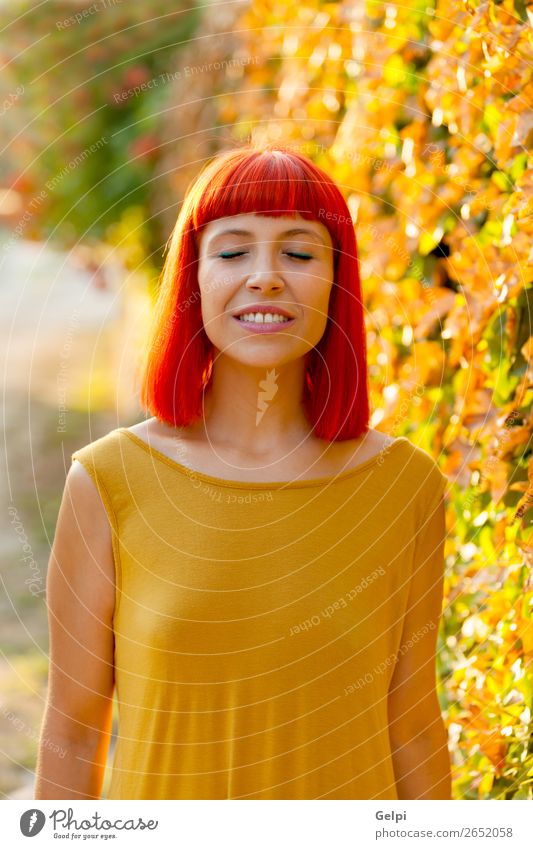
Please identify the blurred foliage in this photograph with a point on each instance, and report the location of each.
(422, 114)
(82, 104)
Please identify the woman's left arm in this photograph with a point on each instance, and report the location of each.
(417, 733)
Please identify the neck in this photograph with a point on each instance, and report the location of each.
(255, 409)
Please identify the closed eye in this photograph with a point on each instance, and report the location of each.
(232, 255)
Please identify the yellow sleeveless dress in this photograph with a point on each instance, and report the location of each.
(256, 624)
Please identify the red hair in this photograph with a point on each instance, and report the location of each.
(270, 180)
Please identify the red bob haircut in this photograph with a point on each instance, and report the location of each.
(270, 180)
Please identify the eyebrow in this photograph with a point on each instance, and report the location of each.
(295, 231)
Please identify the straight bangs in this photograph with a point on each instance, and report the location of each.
(272, 180)
(273, 185)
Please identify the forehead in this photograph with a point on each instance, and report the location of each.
(261, 226)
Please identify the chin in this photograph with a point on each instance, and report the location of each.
(263, 359)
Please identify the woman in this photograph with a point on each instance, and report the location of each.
(255, 569)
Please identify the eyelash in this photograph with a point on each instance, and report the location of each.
(234, 254)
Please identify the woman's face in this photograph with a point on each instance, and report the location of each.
(252, 260)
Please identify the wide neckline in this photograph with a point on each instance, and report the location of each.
(264, 485)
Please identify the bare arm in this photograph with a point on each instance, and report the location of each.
(417, 733)
(80, 598)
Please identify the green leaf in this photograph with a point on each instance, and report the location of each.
(492, 117)
(394, 71)
(502, 181)
(524, 323)
(520, 9)
(523, 792)
(486, 544)
(518, 167)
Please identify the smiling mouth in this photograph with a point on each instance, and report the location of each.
(263, 322)
(263, 318)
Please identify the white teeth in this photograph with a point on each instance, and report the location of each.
(262, 318)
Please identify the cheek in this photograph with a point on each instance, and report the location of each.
(215, 298)
(317, 299)
(212, 290)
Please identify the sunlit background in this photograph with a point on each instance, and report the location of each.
(422, 113)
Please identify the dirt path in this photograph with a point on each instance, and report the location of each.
(67, 351)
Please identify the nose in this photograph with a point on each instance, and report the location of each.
(265, 281)
(265, 277)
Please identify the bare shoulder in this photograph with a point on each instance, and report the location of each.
(164, 437)
(82, 510)
(353, 452)
(80, 489)
(154, 429)
(141, 429)
(378, 440)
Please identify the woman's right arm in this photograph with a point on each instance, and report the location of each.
(80, 589)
